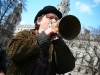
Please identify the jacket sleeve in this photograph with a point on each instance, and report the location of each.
(22, 46)
(1, 69)
(4, 63)
(65, 61)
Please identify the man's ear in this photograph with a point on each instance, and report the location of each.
(38, 22)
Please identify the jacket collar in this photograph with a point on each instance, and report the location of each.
(34, 31)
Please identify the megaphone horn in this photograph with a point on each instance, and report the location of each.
(69, 27)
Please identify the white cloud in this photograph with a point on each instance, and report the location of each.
(97, 1)
(83, 7)
(22, 22)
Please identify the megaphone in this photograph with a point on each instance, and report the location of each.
(69, 27)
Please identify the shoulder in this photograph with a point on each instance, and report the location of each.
(24, 34)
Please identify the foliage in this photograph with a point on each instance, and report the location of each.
(86, 49)
(10, 16)
(7, 6)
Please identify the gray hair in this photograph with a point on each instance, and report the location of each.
(39, 18)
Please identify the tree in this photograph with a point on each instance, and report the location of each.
(86, 49)
(14, 18)
(10, 17)
(7, 6)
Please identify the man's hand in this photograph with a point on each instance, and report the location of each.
(52, 31)
(1, 73)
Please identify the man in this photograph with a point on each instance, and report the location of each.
(38, 51)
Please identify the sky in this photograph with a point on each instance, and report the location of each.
(87, 11)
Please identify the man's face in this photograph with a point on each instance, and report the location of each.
(44, 23)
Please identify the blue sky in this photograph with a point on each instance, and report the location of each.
(87, 11)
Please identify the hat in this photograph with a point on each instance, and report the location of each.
(48, 9)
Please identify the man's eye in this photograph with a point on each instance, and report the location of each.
(51, 17)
